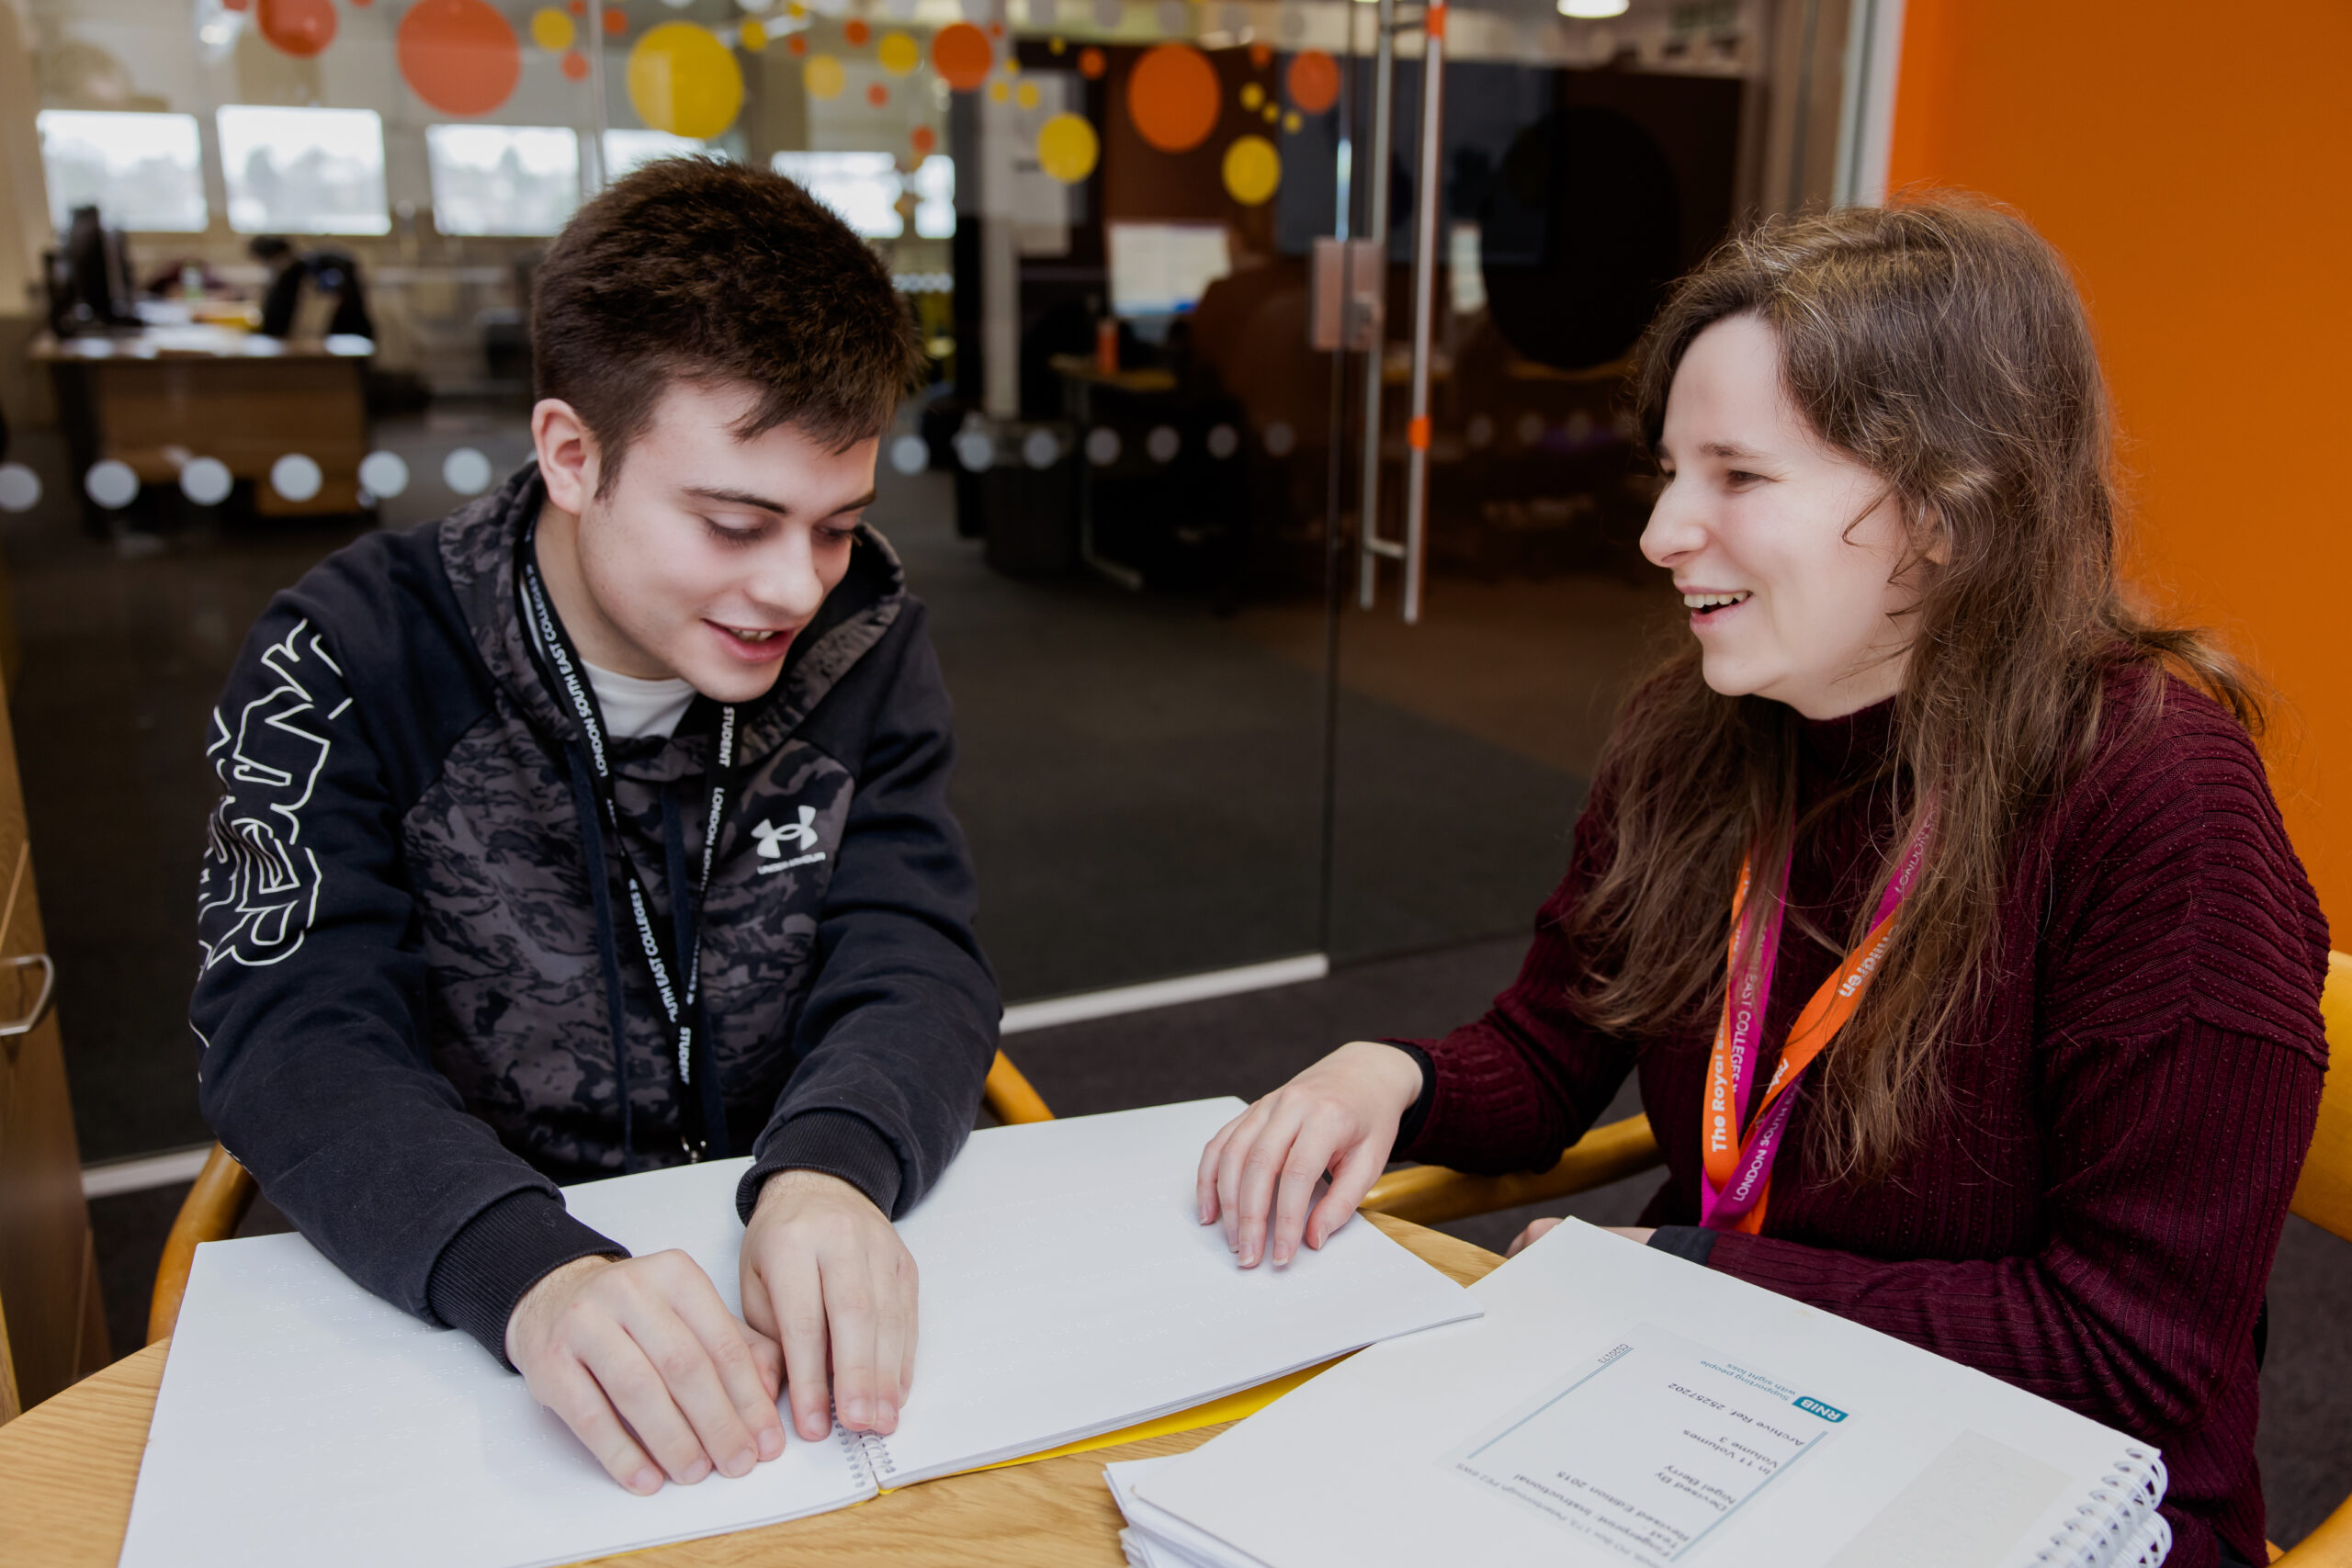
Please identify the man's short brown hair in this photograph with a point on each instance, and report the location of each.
(699, 269)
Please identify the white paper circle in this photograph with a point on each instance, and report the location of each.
(909, 454)
(206, 480)
(1531, 429)
(975, 449)
(466, 471)
(1103, 446)
(1290, 22)
(1223, 442)
(295, 476)
(384, 473)
(1041, 450)
(1174, 19)
(1163, 444)
(110, 483)
(1280, 438)
(1479, 431)
(977, 12)
(1108, 14)
(19, 488)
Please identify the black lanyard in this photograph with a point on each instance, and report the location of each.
(701, 1109)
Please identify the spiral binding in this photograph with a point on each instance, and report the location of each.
(867, 1452)
(2113, 1521)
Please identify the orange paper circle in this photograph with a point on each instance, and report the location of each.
(1173, 97)
(1314, 81)
(854, 32)
(878, 94)
(962, 54)
(461, 56)
(924, 140)
(301, 27)
(1090, 63)
(796, 44)
(575, 66)
(1260, 56)
(616, 20)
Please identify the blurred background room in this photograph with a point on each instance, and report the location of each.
(1272, 492)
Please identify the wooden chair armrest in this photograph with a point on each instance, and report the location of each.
(1430, 1194)
(215, 1206)
(2330, 1546)
(1010, 1098)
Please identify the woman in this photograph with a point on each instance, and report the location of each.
(2016, 1049)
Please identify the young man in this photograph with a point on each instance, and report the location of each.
(602, 825)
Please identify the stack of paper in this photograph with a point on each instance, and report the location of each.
(1618, 1405)
(1067, 1290)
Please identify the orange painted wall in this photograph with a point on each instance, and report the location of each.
(2194, 163)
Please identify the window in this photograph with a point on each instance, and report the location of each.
(140, 171)
(303, 171)
(502, 179)
(863, 188)
(627, 150)
(933, 182)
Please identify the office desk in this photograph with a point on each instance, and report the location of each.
(156, 397)
(67, 1469)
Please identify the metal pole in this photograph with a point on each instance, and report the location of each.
(592, 176)
(1371, 546)
(1416, 433)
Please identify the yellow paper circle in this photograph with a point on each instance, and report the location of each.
(684, 81)
(1252, 95)
(1272, 112)
(755, 36)
(1290, 122)
(551, 30)
(823, 76)
(1027, 94)
(1252, 170)
(998, 91)
(897, 53)
(1067, 148)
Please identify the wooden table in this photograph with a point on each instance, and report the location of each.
(159, 396)
(67, 1469)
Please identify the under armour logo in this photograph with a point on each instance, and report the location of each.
(800, 835)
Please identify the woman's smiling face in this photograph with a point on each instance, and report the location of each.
(1793, 557)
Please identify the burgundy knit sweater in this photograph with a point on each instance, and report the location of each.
(2094, 1216)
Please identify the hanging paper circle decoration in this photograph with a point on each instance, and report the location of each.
(798, 43)
(962, 54)
(301, 27)
(684, 81)
(575, 65)
(899, 53)
(1027, 94)
(1260, 56)
(1314, 81)
(461, 56)
(1252, 95)
(237, 4)
(754, 36)
(1173, 97)
(615, 21)
(1252, 170)
(878, 94)
(551, 30)
(854, 32)
(823, 76)
(1091, 64)
(1067, 148)
(924, 140)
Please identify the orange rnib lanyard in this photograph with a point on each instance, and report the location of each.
(1738, 1173)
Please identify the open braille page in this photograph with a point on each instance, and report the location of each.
(1618, 1406)
(1066, 1290)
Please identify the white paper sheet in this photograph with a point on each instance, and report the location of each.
(1066, 1291)
(1361, 1467)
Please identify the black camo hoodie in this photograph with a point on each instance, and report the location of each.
(413, 1009)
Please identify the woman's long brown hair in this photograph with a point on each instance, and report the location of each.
(1942, 344)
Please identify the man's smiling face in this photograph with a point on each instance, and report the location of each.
(710, 553)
